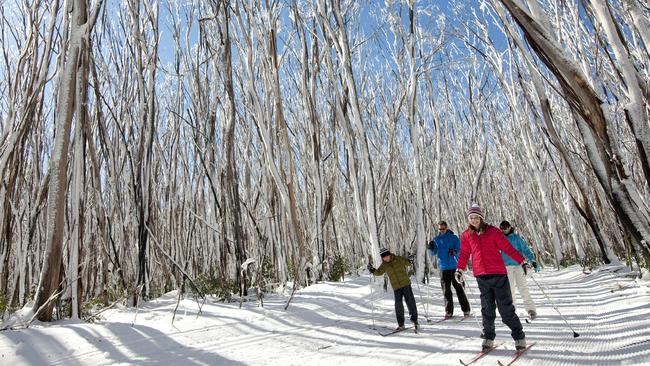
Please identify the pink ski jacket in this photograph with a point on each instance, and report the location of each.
(485, 250)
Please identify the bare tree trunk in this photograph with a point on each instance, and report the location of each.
(232, 177)
(289, 175)
(308, 80)
(147, 118)
(76, 47)
(76, 235)
(478, 174)
(414, 123)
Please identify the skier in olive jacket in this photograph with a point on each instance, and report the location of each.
(484, 243)
(396, 267)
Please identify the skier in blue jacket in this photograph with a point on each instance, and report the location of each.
(446, 246)
(516, 274)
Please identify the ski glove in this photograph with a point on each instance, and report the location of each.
(459, 276)
(371, 268)
(526, 267)
(452, 252)
(411, 258)
(535, 266)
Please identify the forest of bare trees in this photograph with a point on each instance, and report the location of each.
(156, 145)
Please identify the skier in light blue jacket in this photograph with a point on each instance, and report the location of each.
(446, 246)
(516, 274)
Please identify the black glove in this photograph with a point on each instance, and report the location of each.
(535, 266)
(452, 252)
(430, 246)
(371, 268)
(526, 267)
(459, 276)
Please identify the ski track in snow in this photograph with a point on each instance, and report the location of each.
(332, 323)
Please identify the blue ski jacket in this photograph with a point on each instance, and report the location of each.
(521, 246)
(447, 247)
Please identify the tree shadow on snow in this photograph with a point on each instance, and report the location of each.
(136, 345)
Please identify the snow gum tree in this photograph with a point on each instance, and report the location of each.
(78, 25)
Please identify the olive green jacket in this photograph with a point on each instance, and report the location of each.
(397, 271)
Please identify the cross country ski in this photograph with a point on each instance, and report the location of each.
(480, 355)
(399, 330)
(516, 355)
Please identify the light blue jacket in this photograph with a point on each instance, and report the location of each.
(521, 247)
(440, 246)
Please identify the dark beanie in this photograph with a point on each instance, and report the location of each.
(383, 252)
(504, 225)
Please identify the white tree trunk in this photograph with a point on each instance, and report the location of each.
(76, 234)
(412, 115)
(80, 28)
(51, 270)
(572, 225)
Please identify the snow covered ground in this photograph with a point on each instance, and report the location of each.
(331, 324)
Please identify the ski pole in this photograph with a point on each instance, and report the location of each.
(436, 272)
(372, 301)
(575, 334)
(426, 313)
(426, 308)
(471, 293)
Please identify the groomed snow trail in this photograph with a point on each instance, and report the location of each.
(331, 323)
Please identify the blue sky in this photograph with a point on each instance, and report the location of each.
(449, 9)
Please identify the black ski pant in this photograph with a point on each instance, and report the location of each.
(446, 281)
(495, 293)
(407, 293)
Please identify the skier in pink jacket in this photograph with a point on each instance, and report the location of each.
(484, 243)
